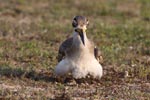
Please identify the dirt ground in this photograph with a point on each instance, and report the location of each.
(32, 30)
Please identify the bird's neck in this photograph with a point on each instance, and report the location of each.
(77, 40)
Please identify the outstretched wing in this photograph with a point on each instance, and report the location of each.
(98, 55)
(66, 45)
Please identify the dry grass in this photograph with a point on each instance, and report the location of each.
(31, 31)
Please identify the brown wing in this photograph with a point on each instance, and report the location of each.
(66, 45)
(97, 52)
(98, 55)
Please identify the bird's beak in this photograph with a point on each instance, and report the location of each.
(80, 32)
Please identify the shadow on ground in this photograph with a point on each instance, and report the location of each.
(30, 74)
(48, 76)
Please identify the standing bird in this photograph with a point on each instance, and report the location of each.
(77, 54)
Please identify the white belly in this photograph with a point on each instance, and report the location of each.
(80, 66)
(86, 65)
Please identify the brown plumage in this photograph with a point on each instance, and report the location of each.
(77, 54)
(98, 55)
(67, 44)
(64, 47)
(78, 22)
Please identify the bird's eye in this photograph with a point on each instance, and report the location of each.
(74, 23)
(75, 19)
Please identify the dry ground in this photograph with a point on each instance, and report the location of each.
(32, 30)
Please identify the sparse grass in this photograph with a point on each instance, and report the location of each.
(31, 31)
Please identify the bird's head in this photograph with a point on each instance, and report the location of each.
(79, 24)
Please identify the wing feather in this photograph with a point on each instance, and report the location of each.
(97, 52)
(64, 47)
(98, 55)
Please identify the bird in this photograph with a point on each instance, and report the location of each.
(77, 54)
